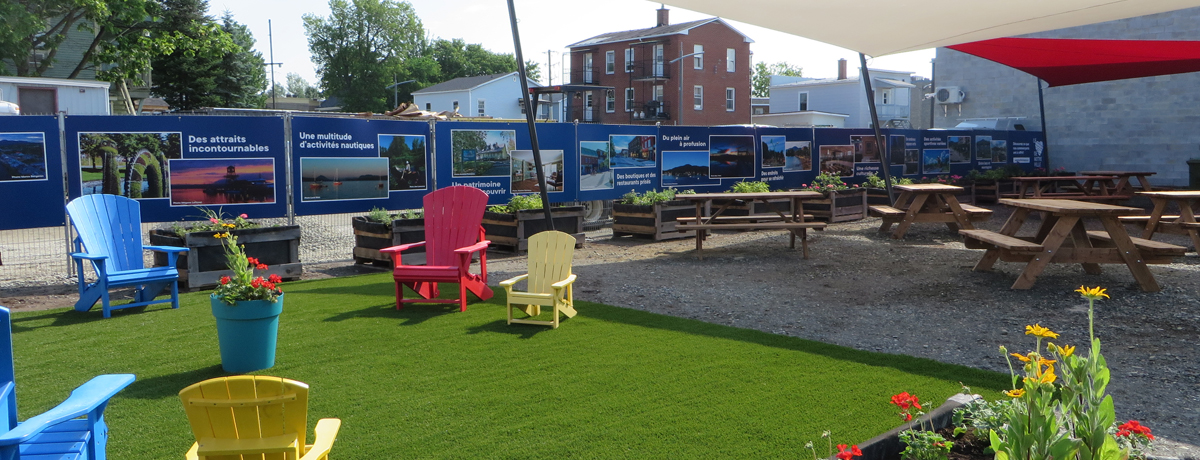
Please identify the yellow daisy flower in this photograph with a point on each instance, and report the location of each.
(1038, 331)
(1048, 375)
(1065, 351)
(1015, 393)
(1092, 293)
(1021, 357)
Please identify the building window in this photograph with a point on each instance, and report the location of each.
(428, 106)
(728, 99)
(628, 60)
(628, 99)
(587, 68)
(729, 60)
(455, 106)
(610, 62)
(698, 61)
(885, 96)
(610, 101)
(803, 106)
(482, 112)
(698, 97)
(658, 93)
(658, 60)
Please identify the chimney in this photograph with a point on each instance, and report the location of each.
(841, 69)
(662, 16)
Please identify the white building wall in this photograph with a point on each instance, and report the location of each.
(83, 97)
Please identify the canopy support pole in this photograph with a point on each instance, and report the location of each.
(1045, 138)
(879, 145)
(529, 116)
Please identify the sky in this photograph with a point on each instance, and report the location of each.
(544, 25)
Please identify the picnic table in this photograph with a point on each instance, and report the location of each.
(928, 203)
(1123, 177)
(1063, 238)
(1092, 188)
(1183, 223)
(796, 223)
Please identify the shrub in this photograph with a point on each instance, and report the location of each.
(751, 187)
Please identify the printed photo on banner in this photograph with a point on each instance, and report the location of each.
(866, 149)
(632, 151)
(837, 160)
(999, 151)
(222, 181)
(896, 149)
(686, 169)
(22, 156)
(406, 160)
(797, 156)
(524, 171)
(731, 157)
(343, 178)
(481, 153)
(595, 166)
(936, 161)
(773, 150)
(912, 161)
(983, 145)
(134, 165)
(960, 149)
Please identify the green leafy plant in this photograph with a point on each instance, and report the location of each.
(518, 203)
(243, 285)
(751, 187)
(380, 215)
(215, 221)
(826, 182)
(650, 197)
(981, 415)
(410, 214)
(924, 445)
(874, 181)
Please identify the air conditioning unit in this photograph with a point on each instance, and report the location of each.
(950, 95)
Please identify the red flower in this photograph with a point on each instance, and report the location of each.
(252, 260)
(243, 216)
(213, 220)
(269, 285)
(1132, 427)
(844, 454)
(907, 417)
(905, 400)
(275, 278)
(225, 280)
(261, 266)
(256, 282)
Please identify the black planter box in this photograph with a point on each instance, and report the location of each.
(887, 446)
(878, 196)
(513, 230)
(755, 208)
(370, 237)
(655, 221)
(839, 206)
(204, 263)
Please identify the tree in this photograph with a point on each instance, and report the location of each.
(761, 81)
(457, 59)
(297, 86)
(187, 78)
(361, 47)
(241, 77)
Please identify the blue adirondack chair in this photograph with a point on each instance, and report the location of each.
(110, 236)
(59, 433)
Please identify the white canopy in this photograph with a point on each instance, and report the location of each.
(881, 27)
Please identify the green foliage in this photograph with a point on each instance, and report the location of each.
(455, 58)
(874, 181)
(651, 197)
(154, 182)
(297, 86)
(924, 445)
(411, 214)
(826, 182)
(243, 285)
(187, 76)
(760, 83)
(242, 77)
(380, 215)
(214, 221)
(751, 187)
(983, 415)
(518, 203)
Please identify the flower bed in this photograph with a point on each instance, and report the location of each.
(204, 264)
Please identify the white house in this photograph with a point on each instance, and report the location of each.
(496, 96)
(825, 101)
(46, 96)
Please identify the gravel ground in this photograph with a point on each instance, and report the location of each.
(916, 296)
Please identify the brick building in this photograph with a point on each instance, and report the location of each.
(640, 78)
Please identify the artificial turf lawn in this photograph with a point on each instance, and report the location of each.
(429, 381)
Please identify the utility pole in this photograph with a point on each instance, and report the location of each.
(549, 69)
(271, 49)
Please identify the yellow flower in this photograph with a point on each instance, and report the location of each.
(1046, 362)
(1038, 331)
(228, 225)
(1064, 351)
(1048, 375)
(1021, 357)
(1092, 293)
(1015, 393)
(221, 235)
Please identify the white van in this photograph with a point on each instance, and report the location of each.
(8, 108)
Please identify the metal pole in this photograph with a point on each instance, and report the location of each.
(533, 139)
(932, 89)
(271, 49)
(887, 158)
(1045, 138)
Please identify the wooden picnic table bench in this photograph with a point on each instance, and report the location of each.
(1088, 188)
(797, 223)
(927, 203)
(1184, 223)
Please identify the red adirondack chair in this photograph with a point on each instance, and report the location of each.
(452, 235)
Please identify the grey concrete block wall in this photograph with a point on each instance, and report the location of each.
(1150, 123)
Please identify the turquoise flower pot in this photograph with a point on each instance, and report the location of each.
(247, 333)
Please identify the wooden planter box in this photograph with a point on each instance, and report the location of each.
(204, 263)
(513, 230)
(754, 208)
(878, 196)
(370, 237)
(968, 196)
(655, 221)
(839, 206)
(991, 190)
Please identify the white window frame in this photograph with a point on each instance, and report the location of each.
(802, 102)
(482, 104)
(730, 59)
(658, 93)
(588, 68)
(698, 60)
(610, 62)
(729, 99)
(698, 97)
(659, 61)
(628, 60)
(885, 97)
(610, 100)
(629, 99)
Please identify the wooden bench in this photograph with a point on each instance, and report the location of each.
(1143, 219)
(992, 239)
(884, 211)
(1068, 196)
(754, 226)
(738, 219)
(1151, 247)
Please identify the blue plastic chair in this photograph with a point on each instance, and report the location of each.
(59, 433)
(110, 237)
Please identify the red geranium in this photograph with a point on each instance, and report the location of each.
(1132, 427)
(845, 454)
(906, 402)
(225, 280)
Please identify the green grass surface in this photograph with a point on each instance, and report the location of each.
(429, 381)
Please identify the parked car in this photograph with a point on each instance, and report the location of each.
(8, 108)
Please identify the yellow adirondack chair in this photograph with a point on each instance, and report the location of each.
(247, 417)
(549, 279)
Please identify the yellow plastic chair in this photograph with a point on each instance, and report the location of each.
(247, 417)
(549, 279)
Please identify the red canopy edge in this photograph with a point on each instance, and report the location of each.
(1061, 62)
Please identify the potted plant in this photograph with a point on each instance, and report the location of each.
(247, 309)
(842, 203)
(381, 228)
(877, 188)
(652, 214)
(204, 263)
(512, 224)
(755, 208)
(990, 185)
